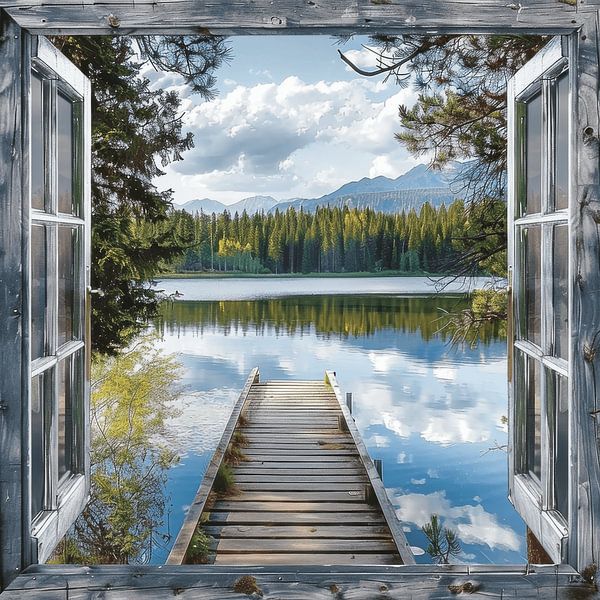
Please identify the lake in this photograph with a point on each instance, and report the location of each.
(434, 412)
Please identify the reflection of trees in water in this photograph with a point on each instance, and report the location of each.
(132, 397)
(339, 315)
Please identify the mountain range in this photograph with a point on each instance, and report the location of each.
(410, 190)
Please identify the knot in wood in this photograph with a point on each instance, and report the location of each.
(276, 21)
(113, 21)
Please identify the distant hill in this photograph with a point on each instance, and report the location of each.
(250, 205)
(410, 190)
(387, 202)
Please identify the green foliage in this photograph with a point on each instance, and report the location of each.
(443, 542)
(133, 396)
(488, 308)
(199, 548)
(460, 115)
(136, 131)
(331, 240)
(224, 482)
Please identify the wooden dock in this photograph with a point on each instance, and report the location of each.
(305, 489)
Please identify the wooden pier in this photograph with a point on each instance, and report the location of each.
(305, 490)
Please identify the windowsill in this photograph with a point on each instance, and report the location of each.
(50, 526)
(548, 526)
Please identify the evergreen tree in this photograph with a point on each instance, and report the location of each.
(460, 115)
(136, 131)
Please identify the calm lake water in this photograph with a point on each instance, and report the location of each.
(431, 411)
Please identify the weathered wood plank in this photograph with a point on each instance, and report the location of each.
(309, 582)
(311, 558)
(324, 486)
(315, 497)
(254, 430)
(299, 545)
(304, 457)
(13, 301)
(292, 16)
(299, 531)
(584, 213)
(295, 507)
(284, 473)
(300, 452)
(312, 518)
(296, 478)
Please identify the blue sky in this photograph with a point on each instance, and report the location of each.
(291, 120)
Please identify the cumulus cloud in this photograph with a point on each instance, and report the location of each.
(473, 523)
(255, 129)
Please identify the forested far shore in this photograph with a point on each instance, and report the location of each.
(330, 240)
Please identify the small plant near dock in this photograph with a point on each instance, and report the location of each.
(199, 548)
(247, 585)
(443, 542)
(239, 439)
(224, 480)
(243, 420)
(234, 455)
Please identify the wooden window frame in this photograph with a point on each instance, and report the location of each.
(66, 496)
(533, 499)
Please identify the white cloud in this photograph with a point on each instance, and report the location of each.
(267, 122)
(472, 523)
(382, 165)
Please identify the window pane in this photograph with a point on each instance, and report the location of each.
(37, 143)
(533, 156)
(534, 419)
(78, 419)
(64, 159)
(561, 445)
(65, 418)
(38, 445)
(560, 290)
(532, 283)
(562, 143)
(39, 293)
(68, 283)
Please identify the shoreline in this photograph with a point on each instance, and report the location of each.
(354, 275)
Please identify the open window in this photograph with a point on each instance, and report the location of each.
(59, 153)
(539, 111)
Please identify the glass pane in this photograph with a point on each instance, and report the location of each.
(560, 290)
(533, 154)
(39, 293)
(65, 418)
(37, 143)
(77, 409)
(532, 283)
(38, 445)
(67, 284)
(533, 428)
(561, 445)
(561, 199)
(64, 159)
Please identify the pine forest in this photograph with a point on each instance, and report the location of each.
(330, 240)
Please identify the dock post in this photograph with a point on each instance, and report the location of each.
(379, 467)
(349, 401)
